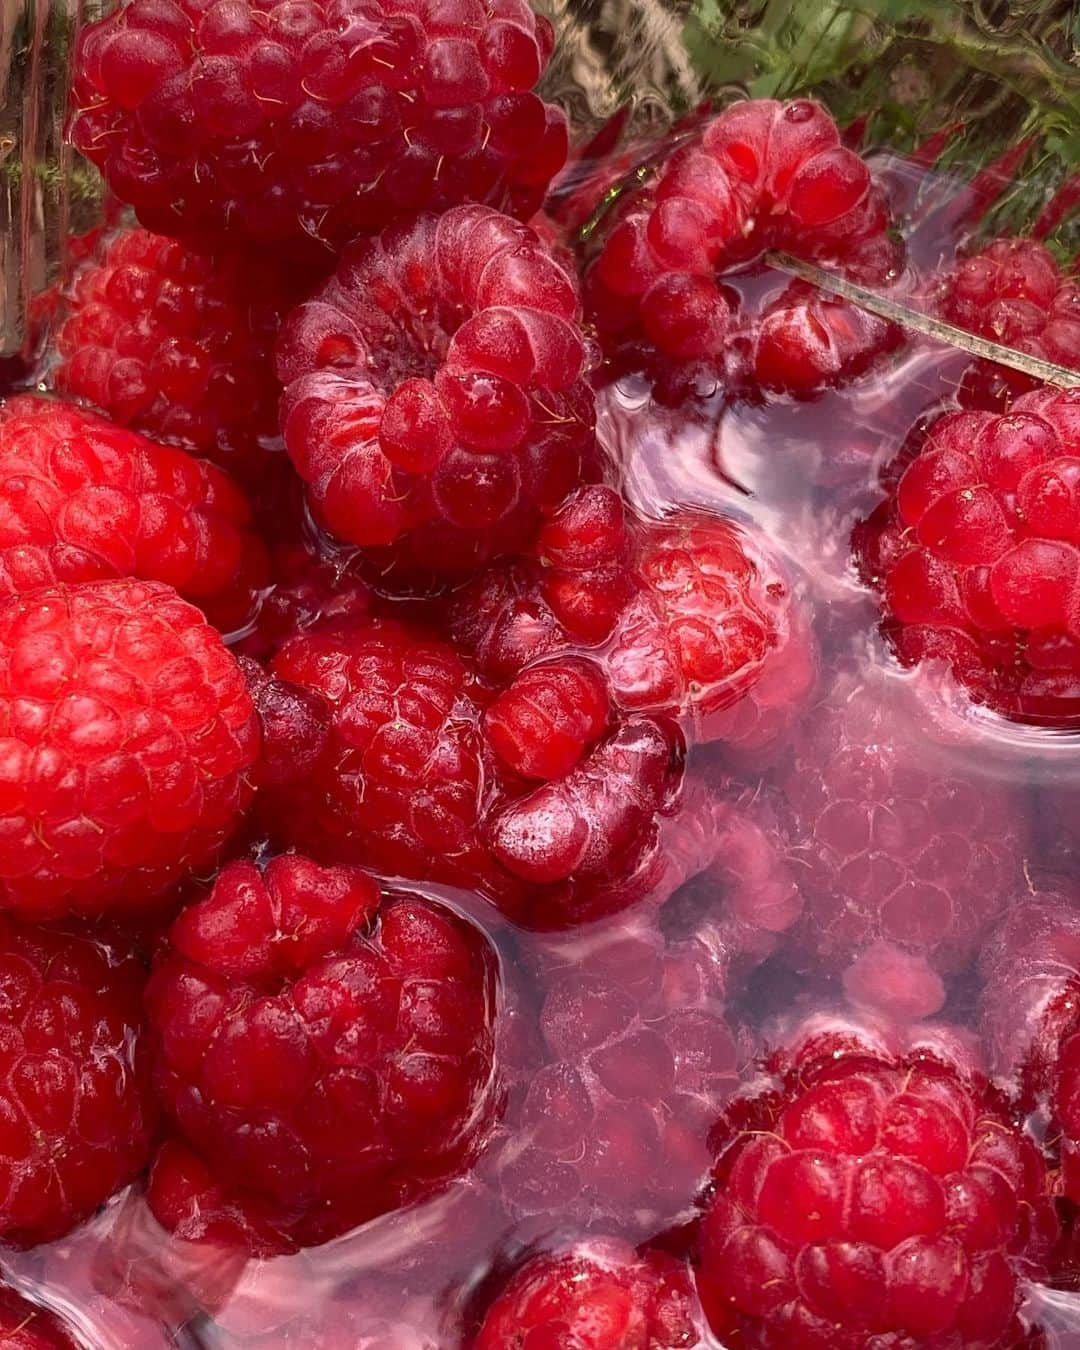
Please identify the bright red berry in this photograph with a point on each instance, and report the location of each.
(320, 1048)
(595, 1295)
(302, 126)
(977, 553)
(177, 346)
(902, 859)
(84, 500)
(127, 736)
(547, 717)
(25, 1326)
(434, 388)
(874, 1199)
(75, 1107)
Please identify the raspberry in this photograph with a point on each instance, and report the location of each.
(300, 127)
(873, 1199)
(25, 1326)
(546, 718)
(75, 1106)
(692, 617)
(435, 390)
(903, 861)
(177, 346)
(323, 1051)
(128, 735)
(595, 1295)
(760, 175)
(609, 1113)
(977, 553)
(85, 500)
(1012, 292)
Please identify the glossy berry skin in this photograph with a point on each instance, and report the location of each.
(299, 127)
(691, 618)
(874, 1200)
(595, 1295)
(903, 859)
(25, 1326)
(977, 554)
(1012, 292)
(760, 175)
(434, 388)
(320, 1048)
(77, 1111)
(86, 500)
(176, 345)
(126, 736)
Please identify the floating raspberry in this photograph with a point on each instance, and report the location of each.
(692, 617)
(321, 1049)
(25, 1326)
(608, 1119)
(874, 1199)
(977, 553)
(301, 128)
(903, 861)
(1012, 292)
(595, 1295)
(435, 390)
(84, 500)
(760, 175)
(75, 1104)
(547, 717)
(128, 735)
(177, 346)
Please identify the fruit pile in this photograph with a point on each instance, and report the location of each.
(522, 721)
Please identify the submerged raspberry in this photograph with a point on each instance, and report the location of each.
(177, 346)
(977, 553)
(595, 1295)
(902, 859)
(323, 1050)
(874, 1199)
(434, 388)
(25, 1326)
(691, 617)
(1013, 292)
(76, 1110)
(301, 126)
(128, 734)
(85, 500)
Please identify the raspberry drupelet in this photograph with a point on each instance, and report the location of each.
(598, 1294)
(691, 617)
(324, 1049)
(873, 1198)
(177, 346)
(301, 125)
(86, 500)
(74, 1100)
(977, 554)
(760, 175)
(25, 1326)
(903, 858)
(435, 390)
(128, 734)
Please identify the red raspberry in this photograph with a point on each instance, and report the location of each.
(547, 717)
(25, 1326)
(595, 1295)
(692, 618)
(302, 126)
(75, 1107)
(177, 346)
(874, 1199)
(1012, 292)
(128, 736)
(903, 861)
(761, 175)
(977, 552)
(322, 1050)
(85, 500)
(435, 390)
